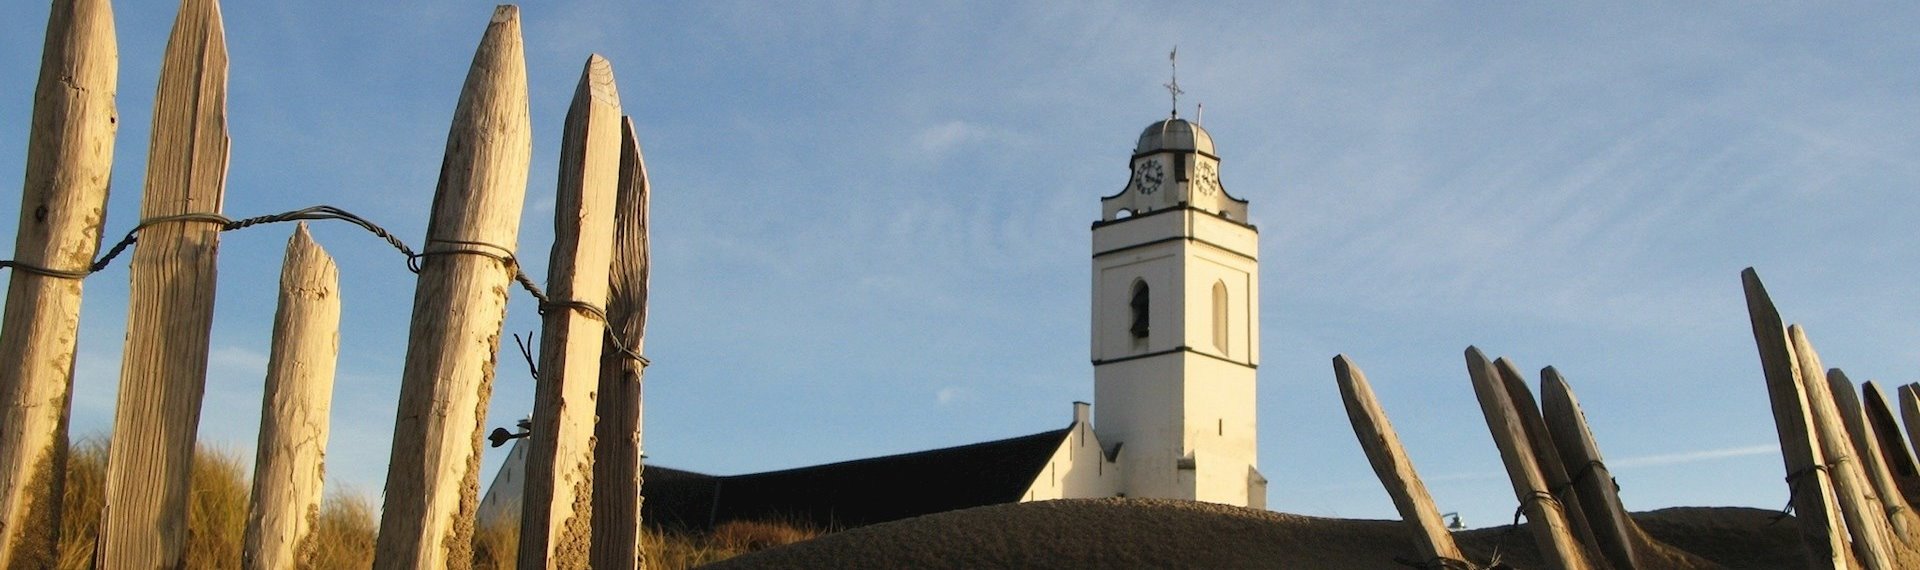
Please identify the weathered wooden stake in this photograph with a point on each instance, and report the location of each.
(1809, 484)
(1866, 445)
(290, 465)
(1910, 414)
(556, 511)
(460, 299)
(1431, 538)
(617, 450)
(1893, 446)
(1552, 469)
(1866, 520)
(163, 371)
(69, 162)
(1545, 517)
(1615, 533)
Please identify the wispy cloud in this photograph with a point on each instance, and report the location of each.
(238, 360)
(1694, 456)
(950, 394)
(1657, 460)
(938, 140)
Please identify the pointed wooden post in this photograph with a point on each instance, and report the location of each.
(1614, 531)
(1910, 414)
(1809, 484)
(459, 301)
(1893, 446)
(1866, 444)
(617, 452)
(69, 161)
(556, 511)
(1382, 445)
(163, 371)
(1545, 517)
(290, 465)
(1866, 520)
(1552, 469)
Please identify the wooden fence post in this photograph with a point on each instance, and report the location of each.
(1808, 482)
(460, 299)
(617, 451)
(1893, 446)
(1382, 445)
(69, 161)
(1552, 469)
(1545, 519)
(1866, 444)
(1866, 520)
(1620, 538)
(557, 508)
(1593, 483)
(163, 371)
(289, 466)
(1910, 414)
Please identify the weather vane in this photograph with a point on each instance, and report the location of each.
(1173, 87)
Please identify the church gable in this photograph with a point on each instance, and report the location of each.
(1079, 468)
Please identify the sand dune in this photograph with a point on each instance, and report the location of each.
(1149, 533)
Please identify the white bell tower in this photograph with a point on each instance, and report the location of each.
(1176, 325)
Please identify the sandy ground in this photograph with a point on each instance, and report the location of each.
(1148, 533)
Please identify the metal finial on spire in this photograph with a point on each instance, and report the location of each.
(1173, 87)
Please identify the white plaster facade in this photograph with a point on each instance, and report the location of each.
(1176, 332)
(501, 503)
(1079, 468)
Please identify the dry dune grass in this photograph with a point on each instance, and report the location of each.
(343, 537)
(216, 513)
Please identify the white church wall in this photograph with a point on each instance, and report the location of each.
(502, 501)
(1219, 405)
(1227, 234)
(1212, 266)
(1139, 229)
(1077, 470)
(1139, 403)
(1113, 312)
(1219, 479)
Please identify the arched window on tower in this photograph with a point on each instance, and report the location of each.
(1220, 316)
(1139, 306)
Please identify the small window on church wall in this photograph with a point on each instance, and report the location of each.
(1220, 316)
(1139, 305)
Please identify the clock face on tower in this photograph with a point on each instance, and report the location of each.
(1209, 178)
(1148, 175)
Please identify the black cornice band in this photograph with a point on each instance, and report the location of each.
(1177, 238)
(1183, 206)
(1182, 348)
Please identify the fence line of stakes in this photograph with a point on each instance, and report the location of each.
(465, 269)
(1851, 478)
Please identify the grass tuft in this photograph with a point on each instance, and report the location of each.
(343, 536)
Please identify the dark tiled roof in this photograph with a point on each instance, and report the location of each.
(854, 493)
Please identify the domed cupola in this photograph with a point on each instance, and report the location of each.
(1174, 134)
(1173, 166)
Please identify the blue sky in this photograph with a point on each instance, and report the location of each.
(871, 221)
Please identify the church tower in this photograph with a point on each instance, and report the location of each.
(1176, 325)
